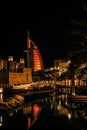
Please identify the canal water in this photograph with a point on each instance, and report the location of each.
(51, 112)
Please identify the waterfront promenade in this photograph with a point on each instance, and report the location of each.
(45, 87)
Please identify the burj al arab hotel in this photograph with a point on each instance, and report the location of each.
(34, 58)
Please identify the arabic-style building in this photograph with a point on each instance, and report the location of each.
(15, 73)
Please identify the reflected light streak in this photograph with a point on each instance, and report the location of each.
(1, 119)
(69, 116)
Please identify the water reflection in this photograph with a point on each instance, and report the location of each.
(1, 120)
(61, 105)
(36, 114)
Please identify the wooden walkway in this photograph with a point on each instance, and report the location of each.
(79, 98)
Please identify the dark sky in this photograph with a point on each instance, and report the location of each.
(48, 25)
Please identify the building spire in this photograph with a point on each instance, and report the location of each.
(28, 40)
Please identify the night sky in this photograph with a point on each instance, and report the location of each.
(48, 25)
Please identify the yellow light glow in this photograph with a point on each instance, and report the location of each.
(1, 90)
(69, 115)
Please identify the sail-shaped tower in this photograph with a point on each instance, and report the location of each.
(34, 58)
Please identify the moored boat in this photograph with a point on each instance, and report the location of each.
(11, 103)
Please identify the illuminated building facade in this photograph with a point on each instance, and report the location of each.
(14, 73)
(34, 58)
(62, 65)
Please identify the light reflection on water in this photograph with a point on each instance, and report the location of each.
(32, 115)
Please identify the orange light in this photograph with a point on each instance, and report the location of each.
(36, 110)
(36, 56)
(28, 122)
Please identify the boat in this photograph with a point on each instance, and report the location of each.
(11, 103)
(24, 86)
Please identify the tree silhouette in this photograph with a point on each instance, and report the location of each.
(76, 39)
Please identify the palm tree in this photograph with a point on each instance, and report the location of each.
(77, 42)
(81, 71)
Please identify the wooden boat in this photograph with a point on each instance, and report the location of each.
(11, 103)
